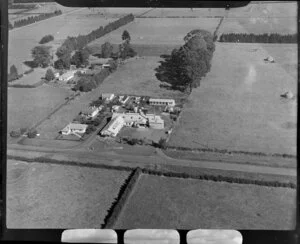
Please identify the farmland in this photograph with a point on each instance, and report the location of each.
(150, 31)
(129, 79)
(22, 40)
(26, 106)
(238, 105)
(56, 196)
(262, 18)
(161, 202)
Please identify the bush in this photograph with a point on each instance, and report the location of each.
(162, 143)
(32, 134)
(49, 75)
(15, 133)
(90, 128)
(45, 39)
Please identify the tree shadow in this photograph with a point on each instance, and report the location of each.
(30, 64)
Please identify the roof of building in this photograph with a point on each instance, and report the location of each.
(89, 110)
(74, 126)
(107, 95)
(68, 74)
(161, 100)
(114, 123)
(100, 61)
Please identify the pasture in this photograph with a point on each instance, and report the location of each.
(164, 202)
(168, 31)
(137, 77)
(238, 105)
(31, 78)
(58, 196)
(26, 106)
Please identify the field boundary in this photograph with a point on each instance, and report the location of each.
(182, 175)
(225, 151)
(125, 191)
(220, 178)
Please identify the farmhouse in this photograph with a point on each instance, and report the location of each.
(67, 76)
(108, 96)
(162, 102)
(74, 128)
(113, 127)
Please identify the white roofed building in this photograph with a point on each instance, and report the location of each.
(73, 128)
(162, 102)
(113, 127)
(108, 96)
(67, 76)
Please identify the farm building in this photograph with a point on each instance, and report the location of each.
(131, 119)
(74, 128)
(113, 127)
(124, 99)
(108, 96)
(141, 119)
(162, 102)
(67, 76)
(91, 112)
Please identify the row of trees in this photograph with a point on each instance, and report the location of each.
(185, 67)
(21, 6)
(33, 19)
(78, 43)
(46, 39)
(258, 38)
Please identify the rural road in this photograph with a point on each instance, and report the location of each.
(159, 158)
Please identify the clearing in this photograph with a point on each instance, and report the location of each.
(161, 202)
(57, 196)
(238, 105)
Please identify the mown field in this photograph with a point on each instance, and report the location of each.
(163, 202)
(259, 18)
(56, 196)
(26, 106)
(238, 105)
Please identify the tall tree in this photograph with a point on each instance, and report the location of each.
(80, 58)
(41, 56)
(185, 67)
(126, 36)
(106, 50)
(13, 72)
(49, 75)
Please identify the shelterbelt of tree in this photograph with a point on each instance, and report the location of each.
(259, 38)
(76, 43)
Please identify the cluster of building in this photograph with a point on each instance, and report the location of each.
(137, 118)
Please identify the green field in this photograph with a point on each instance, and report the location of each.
(238, 105)
(163, 202)
(26, 106)
(56, 196)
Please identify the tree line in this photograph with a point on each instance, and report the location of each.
(21, 6)
(33, 19)
(76, 43)
(258, 38)
(186, 66)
